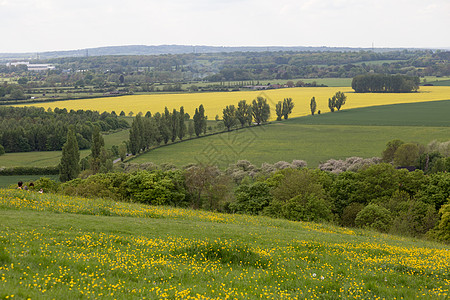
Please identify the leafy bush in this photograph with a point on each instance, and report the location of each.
(414, 219)
(251, 198)
(46, 184)
(299, 195)
(2, 150)
(375, 217)
(156, 188)
(442, 231)
(349, 214)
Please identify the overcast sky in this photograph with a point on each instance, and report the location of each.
(45, 25)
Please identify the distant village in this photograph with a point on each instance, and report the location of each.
(31, 67)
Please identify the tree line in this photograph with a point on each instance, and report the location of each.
(152, 130)
(24, 129)
(383, 83)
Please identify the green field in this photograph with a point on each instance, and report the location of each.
(288, 141)
(435, 114)
(59, 247)
(360, 132)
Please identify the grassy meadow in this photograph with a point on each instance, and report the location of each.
(216, 101)
(64, 248)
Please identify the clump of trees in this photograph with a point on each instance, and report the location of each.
(432, 158)
(337, 101)
(24, 129)
(284, 108)
(384, 83)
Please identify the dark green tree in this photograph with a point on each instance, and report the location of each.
(331, 104)
(313, 105)
(279, 110)
(175, 124)
(260, 110)
(229, 116)
(190, 129)
(69, 167)
(203, 118)
(181, 124)
(96, 150)
(339, 99)
(288, 105)
(136, 134)
(197, 123)
(244, 113)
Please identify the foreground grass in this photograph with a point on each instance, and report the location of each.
(66, 248)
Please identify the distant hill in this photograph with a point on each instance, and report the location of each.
(170, 49)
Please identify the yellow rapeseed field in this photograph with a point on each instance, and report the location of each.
(215, 102)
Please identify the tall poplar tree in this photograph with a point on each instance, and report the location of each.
(182, 124)
(96, 150)
(313, 105)
(69, 167)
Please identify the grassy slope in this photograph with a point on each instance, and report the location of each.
(158, 253)
(434, 114)
(316, 138)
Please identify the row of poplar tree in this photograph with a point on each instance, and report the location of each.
(161, 128)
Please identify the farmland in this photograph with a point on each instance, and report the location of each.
(311, 138)
(64, 247)
(361, 132)
(215, 102)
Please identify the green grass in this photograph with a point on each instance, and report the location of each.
(57, 247)
(436, 113)
(440, 82)
(288, 141)
(6, 181)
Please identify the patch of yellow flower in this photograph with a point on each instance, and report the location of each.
(215, 102)
(253, 262)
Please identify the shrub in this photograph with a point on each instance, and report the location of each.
(299, 164)
(299, 195)
(46, 184)
(415, 219)
(251, 198)
(156, 188)
(2, 150)
(349, 214)
(406, 155)
(442, 231)
(375, 217)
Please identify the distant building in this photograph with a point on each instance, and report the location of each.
(31, 67)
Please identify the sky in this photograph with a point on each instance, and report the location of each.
(50, 25)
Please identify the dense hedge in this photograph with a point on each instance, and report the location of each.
(29, 171)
